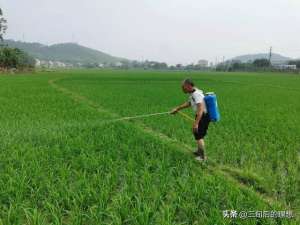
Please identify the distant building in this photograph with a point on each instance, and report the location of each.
(202, 63)
(51, 64)
(37, 63)
(58, 64)
(118, 64)
(285, 67)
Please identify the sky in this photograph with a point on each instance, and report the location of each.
(172, 31)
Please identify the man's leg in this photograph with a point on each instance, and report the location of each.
(200, 144)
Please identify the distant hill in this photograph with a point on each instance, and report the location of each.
(276, 58)
(65, 52)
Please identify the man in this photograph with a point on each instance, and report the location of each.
(200, 125)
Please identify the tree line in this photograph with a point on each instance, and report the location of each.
(12, 58)
(146, 65)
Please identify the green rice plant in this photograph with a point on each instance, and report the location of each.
(64, 161)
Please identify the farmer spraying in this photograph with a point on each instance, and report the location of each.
(200, 125)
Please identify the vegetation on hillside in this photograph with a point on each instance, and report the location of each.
(65, 52)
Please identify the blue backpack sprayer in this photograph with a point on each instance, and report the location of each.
(212, 106)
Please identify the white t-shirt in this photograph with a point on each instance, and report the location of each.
(197, 97)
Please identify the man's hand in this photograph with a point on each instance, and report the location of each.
(178, 108)
(195, 128)
(174, 111)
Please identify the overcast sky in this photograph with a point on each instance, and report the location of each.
(174, 31)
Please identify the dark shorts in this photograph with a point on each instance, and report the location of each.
(202, 127)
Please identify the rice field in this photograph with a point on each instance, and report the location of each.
(65, 158)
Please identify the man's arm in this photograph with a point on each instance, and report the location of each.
(199, 113)
(183, 106)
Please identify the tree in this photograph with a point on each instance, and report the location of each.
(178, 66)
(15, 58)
(260, 63)
(3, 25)
(237, 65)
(24, 60)
(295, 62)
(158, 65)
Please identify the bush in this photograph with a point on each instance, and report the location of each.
(261, 63)
(15, 58)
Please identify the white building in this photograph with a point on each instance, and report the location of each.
(202, 63)
(286, 67)
(37, 62)
(118, 64)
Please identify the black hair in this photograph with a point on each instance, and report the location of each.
(188, 81)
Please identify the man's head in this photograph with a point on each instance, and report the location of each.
(187, 86)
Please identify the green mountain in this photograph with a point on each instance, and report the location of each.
(65, 52)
